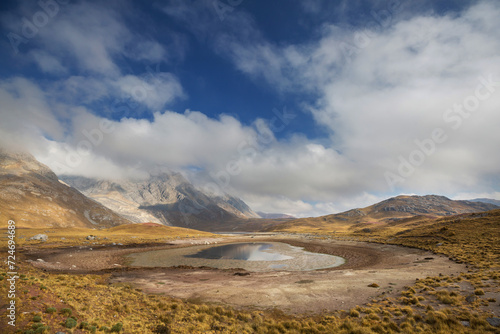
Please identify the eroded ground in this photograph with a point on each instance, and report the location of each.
(389, 267)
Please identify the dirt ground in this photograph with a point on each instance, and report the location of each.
(343, 287)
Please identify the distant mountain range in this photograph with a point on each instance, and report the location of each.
(165, 198)
(486, 200)
(274, 215)
(32, 196)
(398, 210)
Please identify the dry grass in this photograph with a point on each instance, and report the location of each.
(126, 234)
(431, 305)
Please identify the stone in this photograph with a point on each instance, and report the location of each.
(90, 237)
(40, 237)
(495, 322)
(471, 298)
(465, 323)
(40, 260)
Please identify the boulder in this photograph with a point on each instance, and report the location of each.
(471, 298)
(40, 237)
(495, 322)
(90, 237)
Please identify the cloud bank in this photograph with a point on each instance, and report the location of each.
(382, 91)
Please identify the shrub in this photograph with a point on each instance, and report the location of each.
(479, 292)
(353, 313)
(70, 323)
(66, 311)
(50, 310)
(116, 327)
(37, 318)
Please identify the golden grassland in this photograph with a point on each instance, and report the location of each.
(126, 234)
(49, 302)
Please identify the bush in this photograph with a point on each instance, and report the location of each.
(42, 329)
(479, 292)
(66, 311)
(37, 318)
(50, 310)
(70, 323)
(353, 313)
(116, 327)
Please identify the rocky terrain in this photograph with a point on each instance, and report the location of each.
(393, 211)
(165, 198)
(32, 195)
(486, 200)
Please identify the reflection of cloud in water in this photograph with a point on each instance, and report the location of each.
(247, 252)
(271, 256)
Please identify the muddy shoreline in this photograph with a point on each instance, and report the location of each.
(324, 290)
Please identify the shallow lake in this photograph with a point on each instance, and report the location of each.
(272, 256)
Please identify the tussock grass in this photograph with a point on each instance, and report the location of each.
(430, 305)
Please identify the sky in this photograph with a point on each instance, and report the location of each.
(307, 107)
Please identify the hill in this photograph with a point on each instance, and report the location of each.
(486, 200)
(166, 198)
(32, 195)
(397, 212)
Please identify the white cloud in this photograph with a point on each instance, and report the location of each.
(153, 91)
(25, 114)
(47, 63)
(376, 102)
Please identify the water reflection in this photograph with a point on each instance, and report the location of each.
(244, 251)
(271, 256)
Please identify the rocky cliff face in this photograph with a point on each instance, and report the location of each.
(165, 198)
(32, 196)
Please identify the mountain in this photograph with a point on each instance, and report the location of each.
(32, 195)
(398, 210)
(274, 215)
(165, 198)
(486, 200)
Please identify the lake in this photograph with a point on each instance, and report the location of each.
(257, 257)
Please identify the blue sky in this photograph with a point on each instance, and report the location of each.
(303, 107)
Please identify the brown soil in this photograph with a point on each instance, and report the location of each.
(390, 267)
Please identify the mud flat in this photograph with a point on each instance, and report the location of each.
(342, 287)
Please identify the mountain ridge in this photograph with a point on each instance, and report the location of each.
(32, 195)
(166, 198)
(395, 210)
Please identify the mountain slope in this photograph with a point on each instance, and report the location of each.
(398, 210)
(166, 198)
(486, 200)
(32, 196)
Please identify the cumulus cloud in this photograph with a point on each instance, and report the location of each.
(91, 41)
(382, 93)
(25, 114)
(384, 87)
